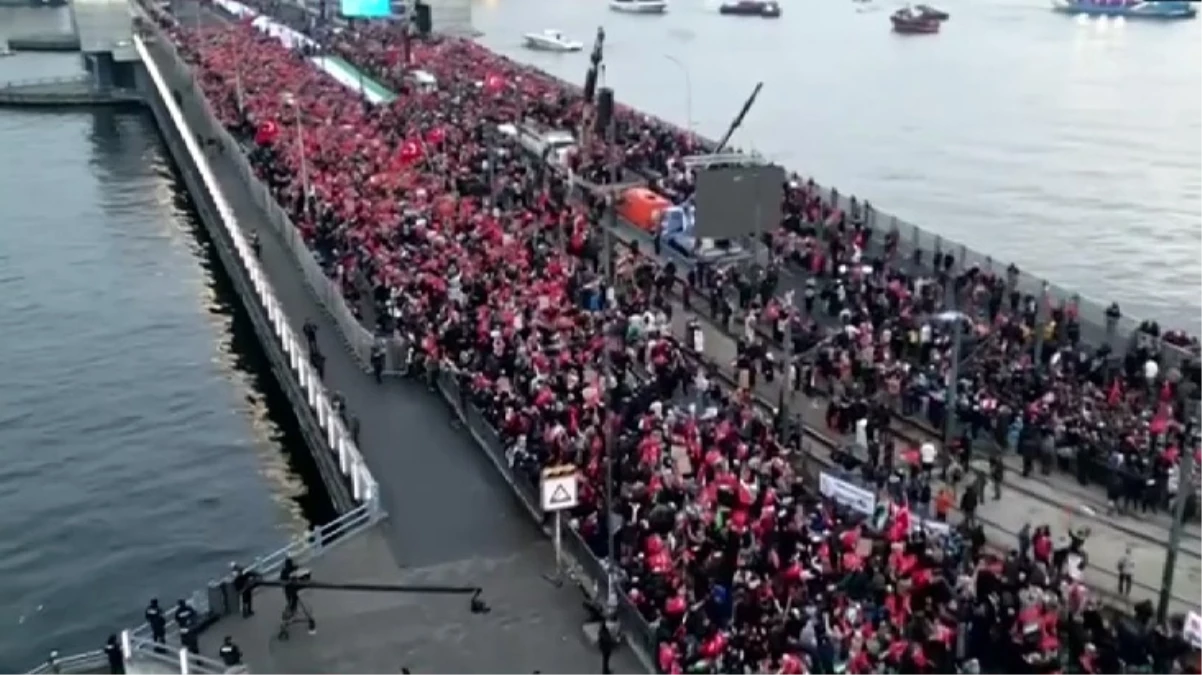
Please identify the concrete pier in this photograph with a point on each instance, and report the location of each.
(45, 42)
(65, 92)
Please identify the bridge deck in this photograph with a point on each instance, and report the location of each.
(451, 518)
(381, 632)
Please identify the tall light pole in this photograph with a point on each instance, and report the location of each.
(688, 89)
(291, 101)
(612, 417)
(1039, 328)
(956, 319)
(1186, 489)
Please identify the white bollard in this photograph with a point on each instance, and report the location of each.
(332, 434)
(343, 455)
(357, 480)
(127, 649)
(184, 668)
(323, 415)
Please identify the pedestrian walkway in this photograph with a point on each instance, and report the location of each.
(1002, 519)
(448, 508)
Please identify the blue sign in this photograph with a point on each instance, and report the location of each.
(367, 9)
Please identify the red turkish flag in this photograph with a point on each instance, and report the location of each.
(436, 135)
(267, 133)
(410, 152)
(494, 83)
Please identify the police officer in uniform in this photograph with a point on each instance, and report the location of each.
(606, 643)
(112, 650)
(185, 617)
(310, 330)
(184, 614)
(156, 621)
(377, 362)
(230, 654)
(244, 586)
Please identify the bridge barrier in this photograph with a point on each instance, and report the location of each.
(359, 340)
(639, 634)
(338, 437)
(364, 487)
(218, 600)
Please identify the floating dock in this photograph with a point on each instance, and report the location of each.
(44, 42)
(65, 92)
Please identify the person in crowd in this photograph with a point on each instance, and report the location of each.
(244, 586)
(438, 232)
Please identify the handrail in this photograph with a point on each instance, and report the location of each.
(184, 660)
(308, 546)
(75, 663)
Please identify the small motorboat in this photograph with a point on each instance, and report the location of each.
(5, 50)
(765, 8)
(932, 13)
(552, 41)
(910, 21)
(639, 6)
(1130, 9)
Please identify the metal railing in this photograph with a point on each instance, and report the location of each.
(338, 437)
(136, 642)
(86, 662)
(219, 600)
(638, 632)
(143, 653)
(326, 290)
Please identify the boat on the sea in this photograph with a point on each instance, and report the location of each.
(932, 13)
(1130, 9)
(765, 8)
(911, 21)
(639, 6)
(551, 40)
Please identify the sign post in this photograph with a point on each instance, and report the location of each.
(559, 491)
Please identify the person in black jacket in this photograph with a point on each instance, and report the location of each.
(156, 621)
(112, 650)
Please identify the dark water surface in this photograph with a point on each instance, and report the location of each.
(142, 444)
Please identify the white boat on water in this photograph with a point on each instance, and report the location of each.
(552, 41)
(639, 6)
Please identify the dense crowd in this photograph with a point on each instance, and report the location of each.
(462, 243)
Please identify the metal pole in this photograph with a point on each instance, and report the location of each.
(1041, 301)
(611, 577)
(558, 545)
(238, 88)
(304, 163)
(949, 411)
(492, 173)
(688, 89)
(1185, 490)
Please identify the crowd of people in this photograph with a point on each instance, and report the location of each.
(470, 249)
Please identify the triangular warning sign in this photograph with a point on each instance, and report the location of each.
(560, 495)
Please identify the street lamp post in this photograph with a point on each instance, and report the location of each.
(612, 420)
(291, 101)
(688, 89)
(1186, 489)
(956, 319)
